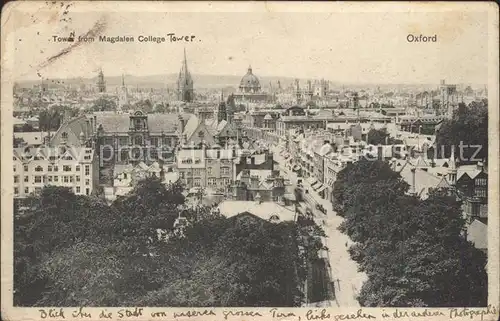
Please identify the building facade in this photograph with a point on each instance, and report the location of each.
(211, 168)
(67, 166)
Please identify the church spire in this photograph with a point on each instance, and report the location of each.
(123, 80)
(184, 63)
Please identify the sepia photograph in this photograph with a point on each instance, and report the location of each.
(326, 157)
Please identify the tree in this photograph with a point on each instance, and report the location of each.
(143, 105)
(411, 249)
(468, 127)
(160, 108)
(104, 104)
(77, 250)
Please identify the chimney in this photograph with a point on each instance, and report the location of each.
(252, 160)
(182, 122)
(412, 187)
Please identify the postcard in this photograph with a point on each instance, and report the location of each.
(250, 160)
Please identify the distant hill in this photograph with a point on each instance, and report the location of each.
(220, 81)
(166, 80)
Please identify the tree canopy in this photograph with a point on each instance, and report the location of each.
(411, 249)
(469, 127)
(104, 104)
(73, 250)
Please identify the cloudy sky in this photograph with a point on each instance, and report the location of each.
(338, 42)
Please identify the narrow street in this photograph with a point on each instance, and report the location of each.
(344, 271)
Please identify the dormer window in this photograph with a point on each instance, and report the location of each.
(64, 135)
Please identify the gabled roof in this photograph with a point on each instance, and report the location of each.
(477, 233)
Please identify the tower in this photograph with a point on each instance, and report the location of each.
(452, 169)
(297, 90)
(185, 83)
(221, 112)
(123, 94)
(101, 84)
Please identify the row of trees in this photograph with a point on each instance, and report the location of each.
(79, 251)
(411, 249)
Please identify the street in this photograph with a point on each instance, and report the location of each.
(344, 271)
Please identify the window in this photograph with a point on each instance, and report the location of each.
(122, 141)
(197, 182)
(225, 170)
(64, 135)
(87, 181)
(16, 178)
(77, 178)
(25, 168)
(78, 189)
(87, 191)
(209, 170)
(56, 168)
(16, 190)
(66, 168)
(71, 179)
(49, 168)
(14, 168)
(38, 179)
(65, 179)
(211, 181)
(86, 157)
(87, 170)
(26, 190)
(56, 178)
(26, 179)
(481, 182)
(49, 178)
(77, 168)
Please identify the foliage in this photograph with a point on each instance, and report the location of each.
(80, 251)
(145, 106)
(104, 104)
(469, 126)
(381, 137)
(411, 249)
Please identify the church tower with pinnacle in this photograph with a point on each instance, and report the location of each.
(101, 84)
(185, 90)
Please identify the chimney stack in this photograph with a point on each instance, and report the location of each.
(412, 187)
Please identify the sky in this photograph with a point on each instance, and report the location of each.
(332, 43)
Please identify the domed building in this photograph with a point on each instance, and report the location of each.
(249, 83)
(250, 90)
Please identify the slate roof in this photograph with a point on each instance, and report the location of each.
(477, 233)
(263, 210)
(119, 123)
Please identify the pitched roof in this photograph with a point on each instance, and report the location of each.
(264, 210)
(120, 123)
(477, 233)
(73, 127)
(191, 126)
(423, 180)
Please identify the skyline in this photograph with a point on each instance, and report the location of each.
(354, 47)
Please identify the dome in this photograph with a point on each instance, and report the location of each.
(249, 82)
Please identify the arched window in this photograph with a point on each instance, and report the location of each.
(38, 169)
(64, 135)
